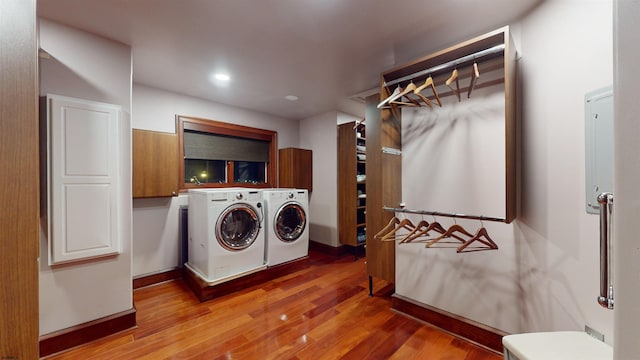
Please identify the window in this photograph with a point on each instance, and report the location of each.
(218, 154)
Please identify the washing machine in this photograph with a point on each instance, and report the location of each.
(286, 224)
(226, 235)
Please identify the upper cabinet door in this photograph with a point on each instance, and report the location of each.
(155, 164)
(296, 168)
(82, 173)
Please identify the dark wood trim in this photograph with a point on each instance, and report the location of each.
(223, 128)
(327, 249)
(481, 334)
(147, 280)
(204, 291)
(81, 334)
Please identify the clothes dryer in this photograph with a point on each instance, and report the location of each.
(286, 224)
(226, 239)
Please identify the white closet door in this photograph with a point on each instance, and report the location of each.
(82, 179)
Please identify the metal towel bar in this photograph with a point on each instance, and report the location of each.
(606, 284)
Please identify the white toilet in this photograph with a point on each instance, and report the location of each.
(557, 345)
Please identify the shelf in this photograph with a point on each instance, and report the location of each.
(353, 184)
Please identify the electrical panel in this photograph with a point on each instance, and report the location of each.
(598, 146)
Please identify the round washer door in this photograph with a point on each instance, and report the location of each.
(237, 227)
(290, 222)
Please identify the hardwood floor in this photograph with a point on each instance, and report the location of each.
(321, 312)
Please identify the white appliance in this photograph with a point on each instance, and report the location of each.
(286, 224)
(226, 239)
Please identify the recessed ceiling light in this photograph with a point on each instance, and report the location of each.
(222, 77)
(291, 97)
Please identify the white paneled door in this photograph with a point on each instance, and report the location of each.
(82, 178)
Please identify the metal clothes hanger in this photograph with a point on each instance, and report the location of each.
(452, 78)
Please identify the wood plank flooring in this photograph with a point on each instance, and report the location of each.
(321, 312)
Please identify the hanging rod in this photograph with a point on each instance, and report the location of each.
(437, 213)
(449, 64)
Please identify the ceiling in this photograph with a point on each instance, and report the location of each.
(325, 52)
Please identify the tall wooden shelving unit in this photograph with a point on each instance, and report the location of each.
(352, 185)
(384, 172)
(384, 160)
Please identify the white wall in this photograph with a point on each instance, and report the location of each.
(156, 245)
(453, 161)
(320, 135)
(566, 52)
(88, 67)
(155, 109)
(545, 275)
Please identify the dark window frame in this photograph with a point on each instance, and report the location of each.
(221, 128)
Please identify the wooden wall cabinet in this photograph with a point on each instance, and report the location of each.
(352, 188)
(155, 164)
(295, 170)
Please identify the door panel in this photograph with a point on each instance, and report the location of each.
(82, 173)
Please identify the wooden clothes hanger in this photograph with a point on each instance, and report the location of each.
(392, 97)
(452, 78)
(424, 99)
(403, 224)
(429, 83)
(405, 93)
(411, 88)
(475, 74)
(418, 227)
(451, 231)
(482, 236)
(392, 223)
(434, 226)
